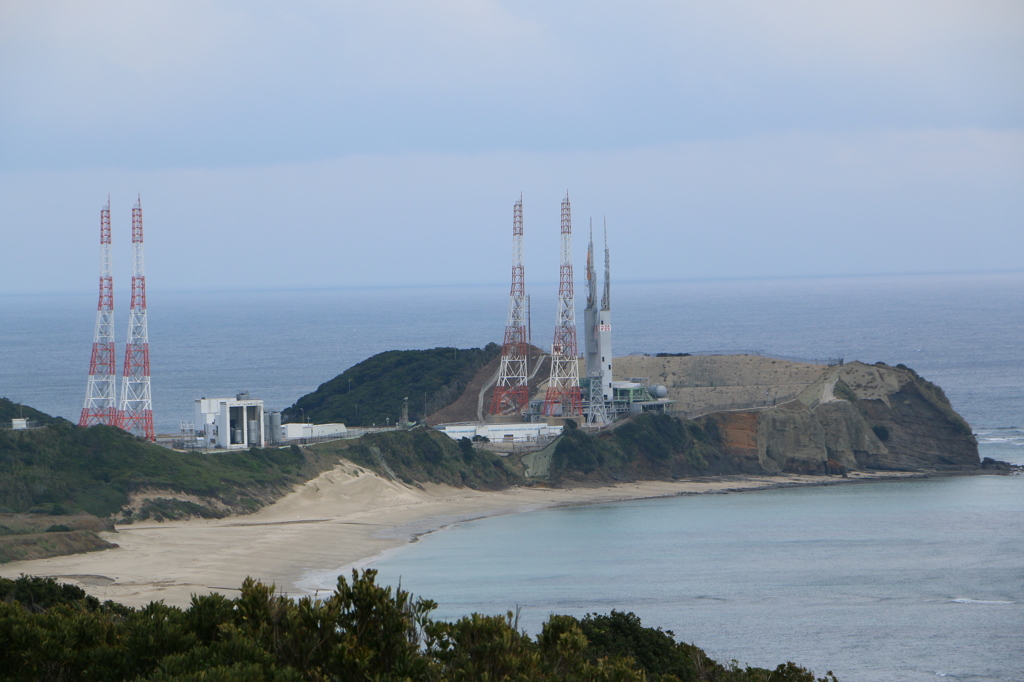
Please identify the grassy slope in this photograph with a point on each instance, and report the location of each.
(10, 410)
(380, 384)
(45, 545)
(649, 446)
(64, 468)
(424, 455)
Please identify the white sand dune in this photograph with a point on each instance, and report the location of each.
(337, 519)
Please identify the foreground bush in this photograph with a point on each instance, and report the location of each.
(363, 631)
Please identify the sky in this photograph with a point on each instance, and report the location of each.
(324, 144)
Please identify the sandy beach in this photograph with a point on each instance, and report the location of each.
(338, 519)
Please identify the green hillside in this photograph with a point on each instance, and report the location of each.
(649, 446)
(372, 391)
(422, 455)
(10, 410)
(63, 468)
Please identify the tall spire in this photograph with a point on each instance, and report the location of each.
(591, 351)
(101, 392)
(511, 394)
(591, 275)
(603, 327)
(563, 396)
(606, 300)
(135, 411)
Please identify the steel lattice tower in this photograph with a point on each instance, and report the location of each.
(563, 396)
(101, 393)
(511, 393)
(135, 412)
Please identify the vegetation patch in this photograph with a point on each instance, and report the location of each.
(64, 468)
(424, 455)
(22, 524)
(363, 631)
(648, 446)
(843, 391)
(48, 544)
(11, 410)
(373, 391)
(170, 509)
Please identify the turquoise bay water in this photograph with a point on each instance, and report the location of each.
(905, 580)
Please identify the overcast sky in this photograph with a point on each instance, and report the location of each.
(336, 144)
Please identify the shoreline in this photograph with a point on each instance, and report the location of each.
(344, 518)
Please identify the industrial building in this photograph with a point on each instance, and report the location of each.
(502, 433)
(230, 424)
(310, 431)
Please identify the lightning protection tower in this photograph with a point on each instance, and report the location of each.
(563, 397)
(135, 412)
(511, 393)
(101, 392)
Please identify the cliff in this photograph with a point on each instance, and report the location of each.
(854, 416)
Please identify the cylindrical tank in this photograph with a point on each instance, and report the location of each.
(275, 426)
(658, 391)
(236, 436)
(254, 432)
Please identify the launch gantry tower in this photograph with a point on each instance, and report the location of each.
(563, 396)
(511, 394)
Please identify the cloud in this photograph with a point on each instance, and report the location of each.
(148, 84)
(794, 204)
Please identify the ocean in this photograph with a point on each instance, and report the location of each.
(906, 580)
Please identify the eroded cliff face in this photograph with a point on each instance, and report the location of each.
(854, 416)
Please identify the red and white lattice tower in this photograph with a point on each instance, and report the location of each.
(135, 412)
(511, 394)
(101, 393)
(563, 397)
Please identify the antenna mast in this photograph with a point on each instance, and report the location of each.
(563, 397)
(135, 412)
(511, 393)
(101, 392)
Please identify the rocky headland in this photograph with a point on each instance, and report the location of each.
(853, 416)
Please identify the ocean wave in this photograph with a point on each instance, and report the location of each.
(1009, 435)
(965, 600)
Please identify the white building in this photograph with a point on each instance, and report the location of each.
(502, 433)
(294, 431)
(231, 424)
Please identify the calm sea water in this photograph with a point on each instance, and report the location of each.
(963, 332)
(908, 580)
(883, 581)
